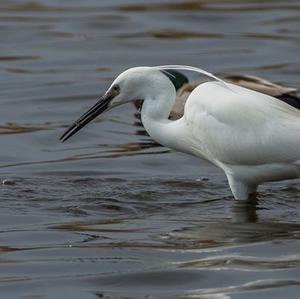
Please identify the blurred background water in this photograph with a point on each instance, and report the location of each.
(109, 214)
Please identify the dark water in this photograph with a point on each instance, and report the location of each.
(107, 215)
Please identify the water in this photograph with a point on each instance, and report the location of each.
(109, 214)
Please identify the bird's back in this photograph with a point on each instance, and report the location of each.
(239, 126)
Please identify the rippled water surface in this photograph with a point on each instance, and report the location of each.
(109, 214)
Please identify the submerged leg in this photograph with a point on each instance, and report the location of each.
(244, 211)
(240, 189)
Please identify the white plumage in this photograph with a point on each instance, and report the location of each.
(253, 137)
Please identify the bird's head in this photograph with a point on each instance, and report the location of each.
(133, 84)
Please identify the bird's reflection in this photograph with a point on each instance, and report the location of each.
(241, 225)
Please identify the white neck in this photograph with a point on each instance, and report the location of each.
(155, 113)
(159, 105)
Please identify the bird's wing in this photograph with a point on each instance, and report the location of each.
(239, 126)
(288, 95)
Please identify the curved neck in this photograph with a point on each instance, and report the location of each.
(158, 107)
(155, 113)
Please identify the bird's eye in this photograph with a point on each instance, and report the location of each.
(116, 88)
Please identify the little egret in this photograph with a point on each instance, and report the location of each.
(251, 136)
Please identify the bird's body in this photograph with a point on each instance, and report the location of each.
(252, 137)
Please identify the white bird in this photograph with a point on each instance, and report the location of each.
(251, 136)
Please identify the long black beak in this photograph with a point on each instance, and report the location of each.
(88, 116)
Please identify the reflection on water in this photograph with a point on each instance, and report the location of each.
(111, 214)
